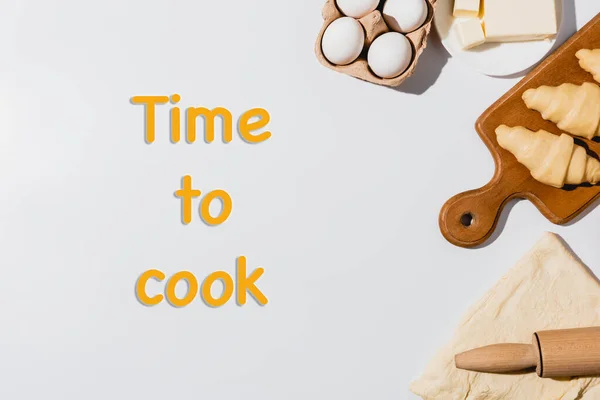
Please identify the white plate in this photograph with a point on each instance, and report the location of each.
(495, 59)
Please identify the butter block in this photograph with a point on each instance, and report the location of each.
(466, 8)
(519, 20)
(470, 33)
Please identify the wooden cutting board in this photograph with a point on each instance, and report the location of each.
(469, 219)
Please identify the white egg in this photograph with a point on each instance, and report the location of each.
(389, 55)
(343, 41)
(405, 15)
(357, 8)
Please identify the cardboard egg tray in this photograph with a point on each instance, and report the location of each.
(374, 25)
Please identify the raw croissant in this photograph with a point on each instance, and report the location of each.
(552, 160)
(590, 61)
(575, 109)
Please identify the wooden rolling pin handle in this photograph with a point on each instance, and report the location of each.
(555, 354)
(499, 358)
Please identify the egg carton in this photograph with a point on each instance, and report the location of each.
(374, 25)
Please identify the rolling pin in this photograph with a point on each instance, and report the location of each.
(554, 354)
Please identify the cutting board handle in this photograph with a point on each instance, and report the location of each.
(469, 219)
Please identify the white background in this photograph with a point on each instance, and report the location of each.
(340, 206)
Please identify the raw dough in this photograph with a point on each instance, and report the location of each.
(548, 289)
(552, 160)
(575, 109)
(590, 61)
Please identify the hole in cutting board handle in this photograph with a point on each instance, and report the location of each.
(467, 219)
